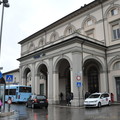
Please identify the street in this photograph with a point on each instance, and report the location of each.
(56, 112)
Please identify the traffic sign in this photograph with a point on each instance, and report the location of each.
(9, 101)
(9, 78)
(78, 84)
(78, 77)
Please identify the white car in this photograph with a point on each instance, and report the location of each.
(97, 100)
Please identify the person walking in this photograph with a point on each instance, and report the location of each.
(61, 96)
(68, 98)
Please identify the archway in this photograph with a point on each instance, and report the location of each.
(63, 68)
(42, 81)
(91, 76)
(27, 77)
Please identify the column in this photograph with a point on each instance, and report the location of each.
(55, 87)
(50, 81)
(33, 78)
(76, 71)
(103, 82)
(36, 84)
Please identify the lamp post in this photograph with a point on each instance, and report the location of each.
(2, 81)
(4, 4)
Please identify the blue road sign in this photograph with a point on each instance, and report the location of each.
(0, 75)
(78, 84)
(9, 78)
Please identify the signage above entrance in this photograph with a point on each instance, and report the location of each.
(38, 55)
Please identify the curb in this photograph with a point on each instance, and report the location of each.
(3, 114)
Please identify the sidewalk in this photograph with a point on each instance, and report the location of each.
(3, 114)
(6, 112)
(63, 105)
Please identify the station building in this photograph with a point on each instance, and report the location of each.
(78, 53)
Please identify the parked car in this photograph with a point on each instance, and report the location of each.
(98, 100)
(37, 101)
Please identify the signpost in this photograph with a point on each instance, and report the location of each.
(9, 78)
(78, 85)
(2, 90)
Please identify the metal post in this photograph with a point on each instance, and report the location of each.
(79, 95)
(1, 28)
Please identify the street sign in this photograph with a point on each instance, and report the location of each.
(78, 84)
(78, 77)
(0, 75)
(9, 78)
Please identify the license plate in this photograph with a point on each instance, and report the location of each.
(41, 101)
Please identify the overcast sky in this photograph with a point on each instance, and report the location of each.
(25, 17)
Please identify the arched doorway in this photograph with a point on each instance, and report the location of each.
(63, 68)
(91, 76)
(42, 81)
(27, 77)
(93, 84)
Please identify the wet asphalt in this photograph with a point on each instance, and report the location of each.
(57, 112)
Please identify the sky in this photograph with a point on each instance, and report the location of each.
(25, 17)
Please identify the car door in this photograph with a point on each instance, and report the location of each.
(106, 96)
(103, 101)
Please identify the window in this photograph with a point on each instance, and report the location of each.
(69, 30)
(54, 36)
(116, 66)
(89, 22)
(25, 89)
(116, 30)
(114, 12)
(10, 92)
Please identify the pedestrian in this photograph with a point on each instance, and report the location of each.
(68, 98)
(71, 95)
(61, 96)
(87, 94)
(1, 104)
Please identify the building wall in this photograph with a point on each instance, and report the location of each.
(83, 40)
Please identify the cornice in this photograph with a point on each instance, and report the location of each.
(75, 38)
(66, 18)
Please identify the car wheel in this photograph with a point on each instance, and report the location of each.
(109, 103)
(99, 104)
(26, 105)
(33, 106)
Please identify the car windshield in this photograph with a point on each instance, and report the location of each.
(41, 97)
(94, 96)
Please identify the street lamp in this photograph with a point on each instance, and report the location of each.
(5, 4)
(2, 81)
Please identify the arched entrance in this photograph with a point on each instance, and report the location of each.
(93, 83)
(42, 81)
(63, 68)
(27, 77)
(91, 76)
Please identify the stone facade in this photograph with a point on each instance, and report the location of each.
(82, 48)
